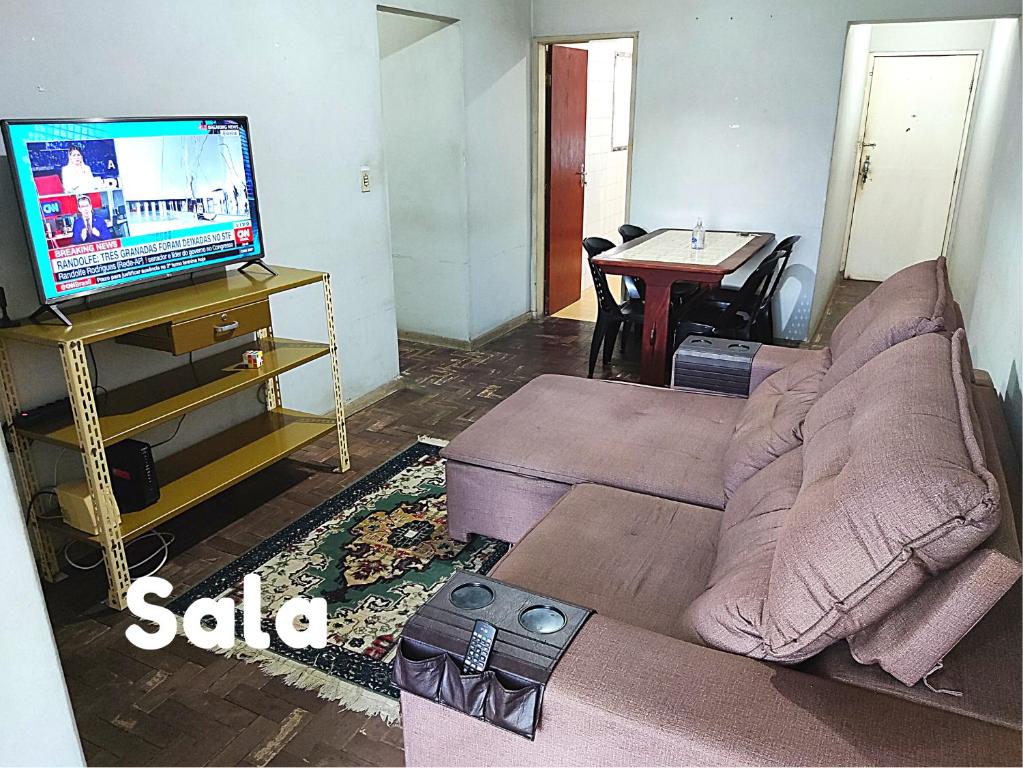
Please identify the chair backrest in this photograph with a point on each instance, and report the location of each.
(748, 297)
(781, 255)
(595, 246)
(630, 232)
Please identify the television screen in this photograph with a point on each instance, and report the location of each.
(109, 203)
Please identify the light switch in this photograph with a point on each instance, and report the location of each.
(364, 179)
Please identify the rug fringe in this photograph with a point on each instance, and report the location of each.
(328, 687)
(432, 441)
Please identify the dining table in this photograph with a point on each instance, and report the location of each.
(666, 256)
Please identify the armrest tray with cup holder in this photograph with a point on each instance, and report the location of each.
(533, 632)
(718, 366)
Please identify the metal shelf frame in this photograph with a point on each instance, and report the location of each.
(93, 325)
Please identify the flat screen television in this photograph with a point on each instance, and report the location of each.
(111, 203)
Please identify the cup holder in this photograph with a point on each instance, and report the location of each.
(542, 619)
(472, 597)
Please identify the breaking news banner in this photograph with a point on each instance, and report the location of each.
(77, 266)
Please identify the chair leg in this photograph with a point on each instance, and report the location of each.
(598, 338)
(611, 334)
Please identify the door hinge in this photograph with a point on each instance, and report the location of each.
(550, 80)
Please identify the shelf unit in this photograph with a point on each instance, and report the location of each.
(199, 472)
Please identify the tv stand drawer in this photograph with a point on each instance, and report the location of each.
(201, 332)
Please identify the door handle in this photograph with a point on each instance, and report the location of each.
(225, 327)
(865, 170)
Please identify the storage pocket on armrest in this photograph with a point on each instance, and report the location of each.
(512, 705)
(466, 693)
(417, 671)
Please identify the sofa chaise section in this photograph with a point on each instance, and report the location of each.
(508, 469)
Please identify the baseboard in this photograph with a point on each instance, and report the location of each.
(476, 343)
(374, 396)
(433, 341)
(501, 330)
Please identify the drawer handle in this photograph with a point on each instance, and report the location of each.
(225, 328)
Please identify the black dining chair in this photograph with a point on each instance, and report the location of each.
(723, 296)
(631, 232)
(633, 285)
(680, 292)
(746, 314)
(611, 315)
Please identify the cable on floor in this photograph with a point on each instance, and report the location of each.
(166, 539)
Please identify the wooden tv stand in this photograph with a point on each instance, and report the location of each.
(178, 320)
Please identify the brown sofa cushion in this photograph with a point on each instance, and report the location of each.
(911, 302)
(771, 421)
(729, 614)
(631, 557)
(984, 667)
(894, 491)
(910, 641)
(572, 430)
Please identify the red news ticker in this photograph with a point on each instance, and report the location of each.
(72, 284)
(84, 248)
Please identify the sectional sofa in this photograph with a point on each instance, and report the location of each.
(825, 572)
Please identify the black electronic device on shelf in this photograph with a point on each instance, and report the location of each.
(133, 475)
(487, 649)
(53, 411)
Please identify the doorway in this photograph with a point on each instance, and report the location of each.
(912, 142)
(583, 117)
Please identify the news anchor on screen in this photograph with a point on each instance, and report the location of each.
(89, 228)
(77, 176)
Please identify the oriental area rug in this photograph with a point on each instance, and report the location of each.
(375, 552)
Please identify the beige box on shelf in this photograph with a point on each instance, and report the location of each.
(76, 506)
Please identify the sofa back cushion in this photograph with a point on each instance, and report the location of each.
(729, 614)
(771, 421)
(910, 641)
(894, 491)
(913, 301)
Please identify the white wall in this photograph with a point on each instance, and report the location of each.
(422, 93)
(736, 104)
(984, 261)
(843, 167)
(495, 39)
(307, 75)
(36, 724)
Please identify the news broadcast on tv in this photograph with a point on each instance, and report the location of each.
(112, 203)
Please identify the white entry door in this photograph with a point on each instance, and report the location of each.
(916, 119)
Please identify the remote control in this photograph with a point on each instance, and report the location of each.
(478, 652)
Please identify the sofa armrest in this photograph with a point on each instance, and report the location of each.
(626, 696)
(770, 359)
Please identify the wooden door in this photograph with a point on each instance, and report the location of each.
(914, 133)
(566, 157)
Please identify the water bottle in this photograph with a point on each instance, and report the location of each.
(699, 236)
